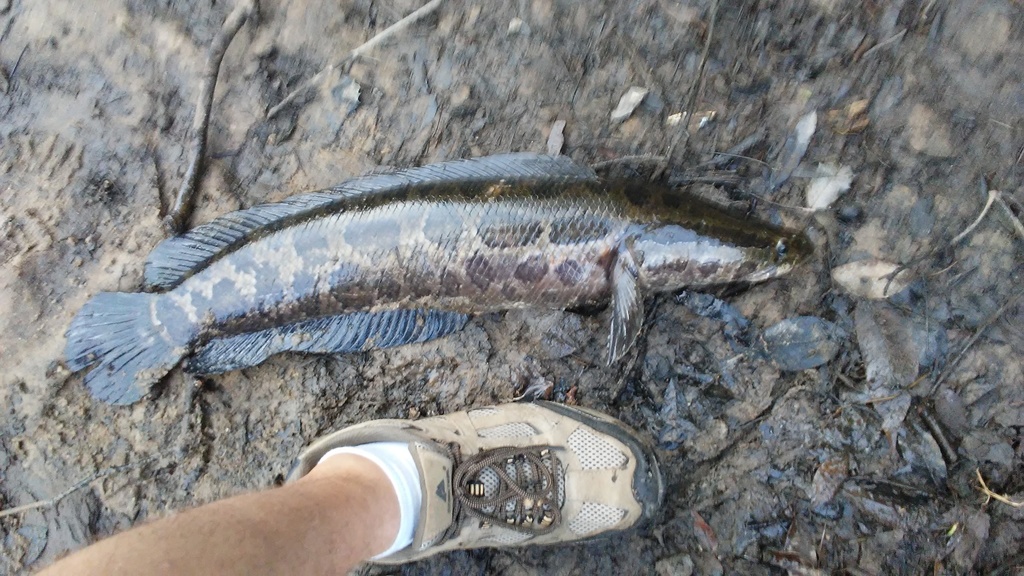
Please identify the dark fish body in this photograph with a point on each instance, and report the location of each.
(404, 257)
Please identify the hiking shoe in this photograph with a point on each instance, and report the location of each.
(514, 475)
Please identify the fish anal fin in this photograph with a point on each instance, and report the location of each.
(627, 305)
(354, 332)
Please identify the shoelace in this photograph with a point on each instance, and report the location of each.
(532, 487)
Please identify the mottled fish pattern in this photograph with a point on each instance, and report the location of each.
(398, 258)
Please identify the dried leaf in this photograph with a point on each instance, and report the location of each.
(829, 183)
(628, 103)
(886, 343)
(873, 279)
(794, 149)
(704, 533)
(827, 479)
(556, 139)
(802, 342)
(518, 26)
(890, 360)
(921, 450)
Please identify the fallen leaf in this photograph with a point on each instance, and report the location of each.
(628, 103)
(828, 184)
(872, 279)
(890, 360)
(794, 149)
(704, 533)
(556, 139)
(801, 343)
(827, 479)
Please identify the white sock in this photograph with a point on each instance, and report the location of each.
(396, 461)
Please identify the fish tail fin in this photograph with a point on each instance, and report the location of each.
(115, 332)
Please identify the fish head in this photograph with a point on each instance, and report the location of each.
(674, 256)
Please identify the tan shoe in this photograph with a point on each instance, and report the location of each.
(515, 475)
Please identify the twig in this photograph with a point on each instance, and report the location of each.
(74, 488)
(692, 99)
(883, 44)
(989, 494)
(17, 64)
(1016, 221)
(178, 215)
(359, 51)
(992, 195)
(737, 151)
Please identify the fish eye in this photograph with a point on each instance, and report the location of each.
(780, 250)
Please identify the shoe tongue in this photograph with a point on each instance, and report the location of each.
(436, 511)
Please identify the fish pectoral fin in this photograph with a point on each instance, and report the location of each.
(354, 332)
(627, 305)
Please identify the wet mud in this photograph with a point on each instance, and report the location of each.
(850, 441)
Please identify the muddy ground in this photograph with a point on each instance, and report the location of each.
(769, 469)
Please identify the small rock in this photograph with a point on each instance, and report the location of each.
(928, 134)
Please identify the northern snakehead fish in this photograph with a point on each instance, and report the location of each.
(391, 259)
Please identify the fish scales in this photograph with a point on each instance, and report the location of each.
(346, 271)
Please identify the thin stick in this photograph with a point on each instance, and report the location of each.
(1016, 221)
(178, 216)
(692, 99)
(883, 44)
(74, 488)
(359, 51)
(992, 195)
(737, 151)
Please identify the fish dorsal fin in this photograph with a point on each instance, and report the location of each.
(627, 305)
(353, 332)
(175, 259)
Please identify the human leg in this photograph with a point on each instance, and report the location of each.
(340, 514)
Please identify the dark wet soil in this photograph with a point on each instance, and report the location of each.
(867, 464)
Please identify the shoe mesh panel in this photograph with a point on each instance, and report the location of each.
(482, 412)
(594, 517)
(509, 430)
(593, 451)
(505, 537)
